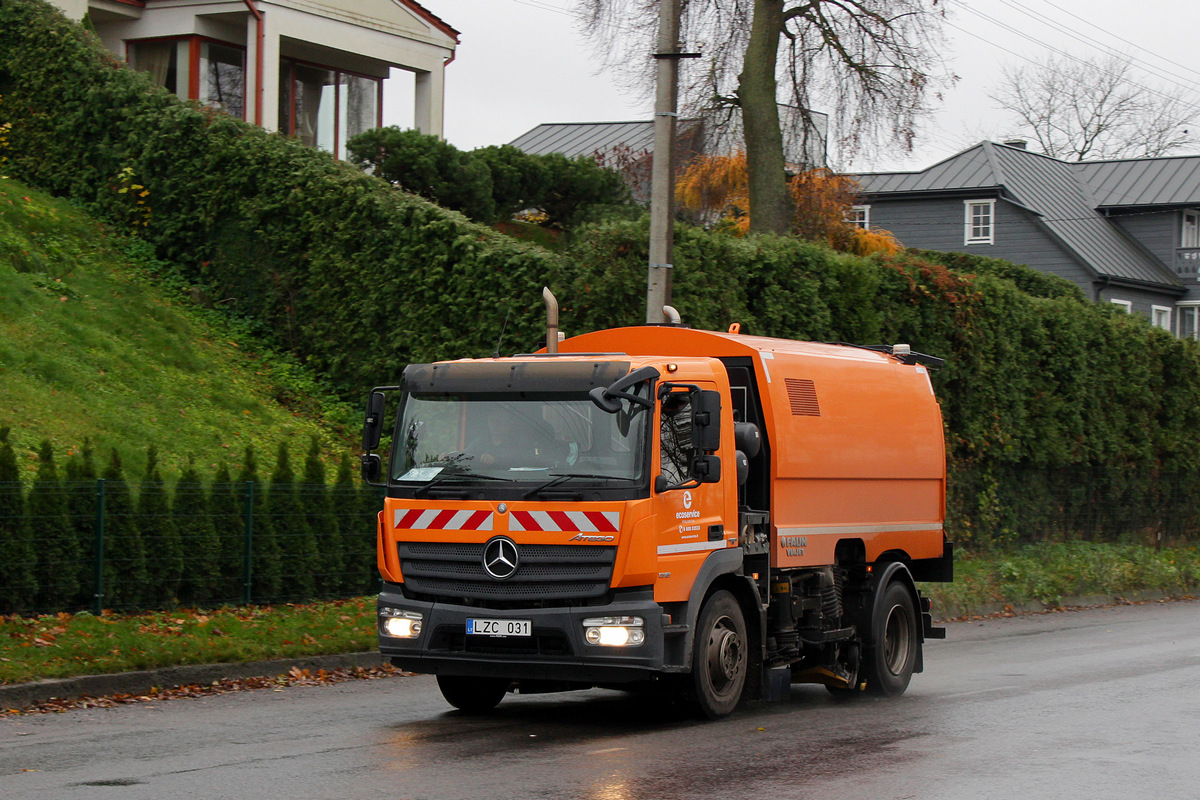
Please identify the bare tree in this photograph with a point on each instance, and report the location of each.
(1080, 108)
(871, 63)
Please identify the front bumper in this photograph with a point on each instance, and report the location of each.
(556, 650)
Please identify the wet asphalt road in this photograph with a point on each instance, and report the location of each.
(1088, 704)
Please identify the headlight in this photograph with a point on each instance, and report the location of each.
(614, 631)
(400, 624)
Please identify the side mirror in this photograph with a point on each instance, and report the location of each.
(372, 468)
(706, 469)
(706, 421)
(373, 424)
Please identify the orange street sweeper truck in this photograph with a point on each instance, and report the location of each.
(711, 514)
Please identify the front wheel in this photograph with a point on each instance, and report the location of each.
(892, 654)
(472, 695)
(720, 656)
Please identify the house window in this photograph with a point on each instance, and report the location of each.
(979, 223)
(160, 59)
(859, 217)
(193, 68)
(325, 107)
(1189, 322)
(1190, 236)
(223, 78)
(1124, 305)
(1160, 317)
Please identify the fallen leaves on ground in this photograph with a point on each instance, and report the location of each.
(294, 677)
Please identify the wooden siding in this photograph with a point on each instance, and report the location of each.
(1158, 232)
(938, 225)
(1142, 300)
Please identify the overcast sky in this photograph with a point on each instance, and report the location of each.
(524, 62)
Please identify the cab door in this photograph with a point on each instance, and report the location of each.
(690, 509)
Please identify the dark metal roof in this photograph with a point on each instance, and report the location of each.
(970, 169)
(586, 138)
(1059, 198)
(1143, 181)
(708, 133)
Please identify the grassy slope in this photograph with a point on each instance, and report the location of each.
(91, 348)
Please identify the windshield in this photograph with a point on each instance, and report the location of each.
(518, 437)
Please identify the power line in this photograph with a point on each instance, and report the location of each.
(1194, 107)
(1122, 39)
(1183, 83)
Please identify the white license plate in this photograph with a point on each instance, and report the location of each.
(498, 627)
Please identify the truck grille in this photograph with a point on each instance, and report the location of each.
(451, 571)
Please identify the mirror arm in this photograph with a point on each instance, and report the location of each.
(608, 399)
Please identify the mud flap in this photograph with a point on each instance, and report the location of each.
(776, 684)
(928, 630)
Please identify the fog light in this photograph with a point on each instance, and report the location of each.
(400, 624)
(614, 631)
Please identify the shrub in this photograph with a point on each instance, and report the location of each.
(426, 165)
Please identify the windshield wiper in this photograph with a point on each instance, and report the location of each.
(561, 478)
(445, 476)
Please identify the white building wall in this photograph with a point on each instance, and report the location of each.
(366, 36)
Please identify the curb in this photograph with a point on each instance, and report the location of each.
(18, 695)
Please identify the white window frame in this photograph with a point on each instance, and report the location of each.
(969, 225)
(860, 217)
(1127, 305)
(1189, 232)
(1160, 317)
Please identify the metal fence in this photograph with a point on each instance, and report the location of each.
(210, 545)
(216, 544)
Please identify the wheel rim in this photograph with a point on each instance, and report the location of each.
(897, 641)
(724, 656)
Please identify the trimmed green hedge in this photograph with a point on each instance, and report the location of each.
(355, 276)
(359, 279)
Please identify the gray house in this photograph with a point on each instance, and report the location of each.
(1125, 232)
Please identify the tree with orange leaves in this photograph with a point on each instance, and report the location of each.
(716, 189)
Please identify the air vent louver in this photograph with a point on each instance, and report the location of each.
(802, 394)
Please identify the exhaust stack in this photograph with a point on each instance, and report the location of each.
(551, 320)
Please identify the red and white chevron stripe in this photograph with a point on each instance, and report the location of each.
(574, 521)
(435, 519)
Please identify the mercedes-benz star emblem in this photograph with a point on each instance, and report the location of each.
(500, 558)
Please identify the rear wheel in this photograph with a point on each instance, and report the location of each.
(892, 654)
(720, 656)
(472, 695)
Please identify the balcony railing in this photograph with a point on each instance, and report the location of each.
(1187, 263)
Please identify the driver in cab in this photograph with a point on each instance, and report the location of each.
(508, 442)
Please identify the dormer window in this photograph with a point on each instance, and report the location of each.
(980, 222)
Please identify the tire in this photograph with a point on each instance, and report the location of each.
(888, 662)
(720, 656)
(472, 695)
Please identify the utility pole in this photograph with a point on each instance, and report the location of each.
(662, 173)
